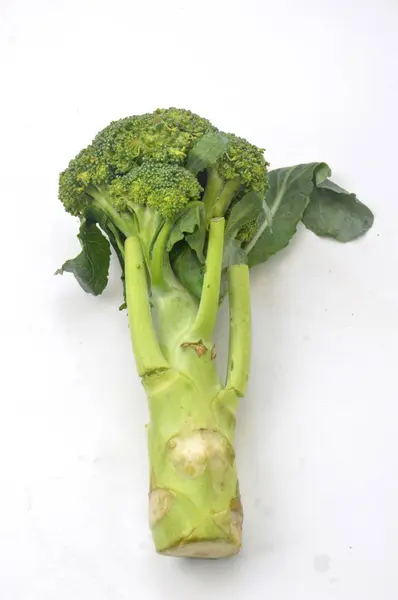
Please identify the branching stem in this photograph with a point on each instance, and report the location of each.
(239, 328)
(209, 302)
(146, 348)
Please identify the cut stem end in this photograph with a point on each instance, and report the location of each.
(209, 549)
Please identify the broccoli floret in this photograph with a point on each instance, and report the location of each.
(244, 162)
(85, 170)
(242, 168)
(164, 136)
(136, 162)
(248, 230)
(167, 188)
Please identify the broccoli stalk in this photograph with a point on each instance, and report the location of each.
(194, 503)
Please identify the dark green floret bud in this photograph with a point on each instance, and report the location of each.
(167, 188)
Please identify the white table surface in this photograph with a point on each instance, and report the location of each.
(317, 437)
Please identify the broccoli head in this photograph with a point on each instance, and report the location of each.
(165, 136)
(134, 176)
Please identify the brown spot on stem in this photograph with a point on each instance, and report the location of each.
(236, 525)
(236, 515)
(213, 352)
(199, 347)
(236, 505)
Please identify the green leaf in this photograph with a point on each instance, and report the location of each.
(116, 238)
(305, 192)
(191, 226)
(233, 253)
(248, 209)
(187, 268)
(334, 212)
(197, 238)
(190, 271)
(286, 200)
(91, 266)
(206, 151)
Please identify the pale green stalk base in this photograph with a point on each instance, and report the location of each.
(194, 503)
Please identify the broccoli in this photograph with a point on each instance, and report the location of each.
(188, 209)
(242, 168)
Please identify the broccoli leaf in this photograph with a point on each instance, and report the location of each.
(187, 268)
(248, 209)
(286, 200)
(191, 226)
(116, 240)
(304, 192)
(334, 212)
(197, 238)
(91, 266)
(206, 151)
(190, 271)
(233, 253)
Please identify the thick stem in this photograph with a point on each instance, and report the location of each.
(148, 355)
(240, 329)
(209, 302)
(125, 223)
(226, 197)
(194, 502)
(213, 189)
(157, 259)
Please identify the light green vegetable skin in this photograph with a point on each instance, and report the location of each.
(188, 209)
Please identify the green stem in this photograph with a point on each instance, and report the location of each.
(209, 302)
(194, 503)
(148, 355)
(212, 191)
(240, 329)
(125, 223)
(157, 261)
(116, 235)
(226, 197)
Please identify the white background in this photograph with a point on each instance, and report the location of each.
(317, 439)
